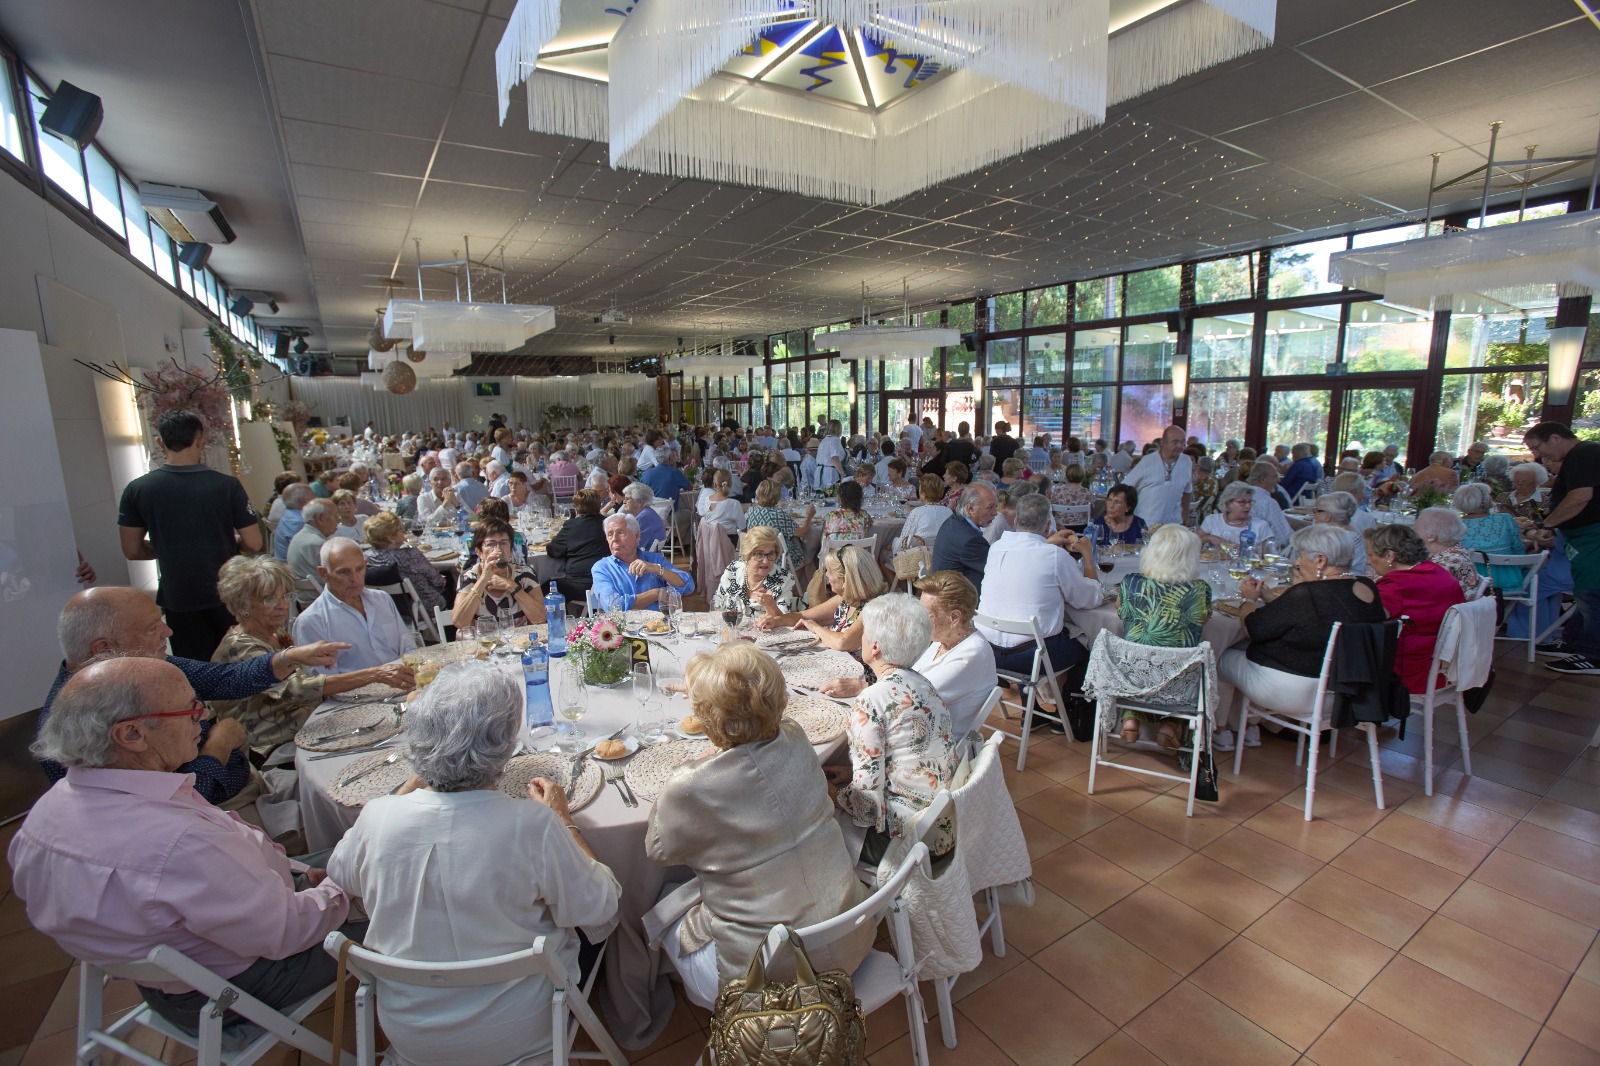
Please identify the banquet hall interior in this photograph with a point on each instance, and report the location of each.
(1353, 225)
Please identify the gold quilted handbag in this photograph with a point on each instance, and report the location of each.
(813, 1021)
(909, 560)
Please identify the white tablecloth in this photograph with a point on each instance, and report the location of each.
(635, 993)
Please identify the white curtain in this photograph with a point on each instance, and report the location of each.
(433, 402)
(612, 406)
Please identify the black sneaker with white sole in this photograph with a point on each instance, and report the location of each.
(1577, 664)
(1557, 648)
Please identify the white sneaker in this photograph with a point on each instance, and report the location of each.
(1222, 740)
(1252, 736)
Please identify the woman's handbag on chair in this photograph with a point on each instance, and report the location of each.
(814, 1020)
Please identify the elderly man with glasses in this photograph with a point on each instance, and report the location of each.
(118, 621)
(632, 577)
(124, 856)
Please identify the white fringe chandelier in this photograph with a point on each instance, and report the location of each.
(864, 101)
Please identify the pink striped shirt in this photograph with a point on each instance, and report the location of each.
(112, 863)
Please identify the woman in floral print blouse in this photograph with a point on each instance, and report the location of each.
(902, 751)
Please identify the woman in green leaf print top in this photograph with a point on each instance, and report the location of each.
(1164, 605)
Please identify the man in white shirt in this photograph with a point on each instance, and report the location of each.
(1121, 460)
(363, 618)
(448, 458)
(913, 431)
(1163, 479)
(436, 504)
(1263, 478)
(1029, 577)
(830, 458)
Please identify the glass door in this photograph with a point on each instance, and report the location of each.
(1299, 415)
(1361, 417)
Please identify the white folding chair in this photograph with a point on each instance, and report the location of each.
(1309, 723)
(570, 1001)
(165, 965)
(1130, 692)
(419, 614)
(1042, 673)
(305, 590)
(833, 544)
(1526, 593)
(441, 618)
(1478, 615)
(655, 545)
(562, 489)
(666, 510)
(1075, 516)
(881, 976)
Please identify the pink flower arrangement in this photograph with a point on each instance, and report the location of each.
(178, 388)
(590, 645)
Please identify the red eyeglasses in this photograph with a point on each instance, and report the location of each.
(196, 709)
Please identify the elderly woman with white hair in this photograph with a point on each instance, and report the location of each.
(1232, 518)
(1496, 470)
(903, 748)
(1493, 533)
(636, 500)
(1356, 485)
(1289, 626)
(1337, 510)
(1526, 498)
(1442, 530)
(1164, 605)
(452, 869)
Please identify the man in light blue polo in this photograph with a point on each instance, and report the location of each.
(635, 577)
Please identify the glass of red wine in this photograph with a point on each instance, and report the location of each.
(730, 617)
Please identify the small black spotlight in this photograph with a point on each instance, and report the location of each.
(301, 347)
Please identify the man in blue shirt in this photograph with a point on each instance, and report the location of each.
(665, 479)
(636, 577)
(113, 620)
(1304, 470)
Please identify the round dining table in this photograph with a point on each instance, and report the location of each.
(635, 992)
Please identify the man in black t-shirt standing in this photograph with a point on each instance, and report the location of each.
(1575, 511)
(190, 519)
(962, 447)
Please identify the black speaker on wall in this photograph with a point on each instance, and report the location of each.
(194, 255)
(280, 345)
(73, 115)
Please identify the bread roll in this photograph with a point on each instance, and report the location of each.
(692, 724)
(611, 749)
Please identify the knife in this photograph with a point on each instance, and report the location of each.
(352, 751)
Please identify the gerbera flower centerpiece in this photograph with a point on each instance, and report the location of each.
(596, 645)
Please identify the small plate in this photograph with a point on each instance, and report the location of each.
(688, 736)
(632, 743)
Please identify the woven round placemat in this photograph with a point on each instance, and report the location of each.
(553, 767)
(336, 730)
(821, 718)
(786, 640)
(368, 693)
(648, 772)
(810, 669)
(370, 777)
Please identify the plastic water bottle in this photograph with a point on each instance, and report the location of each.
(461, 521)
(536, 685)
(555, 607)
(1247, 543)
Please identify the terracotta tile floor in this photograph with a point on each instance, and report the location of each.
(1459, 927)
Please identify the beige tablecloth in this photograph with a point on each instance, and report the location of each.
(635, 993)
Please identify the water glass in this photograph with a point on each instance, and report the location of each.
(572, 703)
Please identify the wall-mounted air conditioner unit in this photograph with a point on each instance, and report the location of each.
(186, 215)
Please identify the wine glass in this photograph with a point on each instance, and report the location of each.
(644, 694)
(573, 700)
(487, 633)
(730, 618)
(671, 604)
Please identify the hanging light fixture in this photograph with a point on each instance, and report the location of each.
(833, 98)
(463, 326)
(1566, 348)
(902, 343)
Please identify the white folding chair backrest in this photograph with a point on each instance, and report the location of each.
(562, 487)
(530, 962)
(165, 965)
(1071, 514)
(655, 545)
(307, 589)
(1525, 592)
(1042, 673)
(833, 544)
(441, 618)
(869, 911)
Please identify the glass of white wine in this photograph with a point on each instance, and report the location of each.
(573, 700)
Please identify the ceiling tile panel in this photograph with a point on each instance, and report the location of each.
(360, 101)
(428, 41)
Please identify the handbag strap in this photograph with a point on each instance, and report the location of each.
(340, 974)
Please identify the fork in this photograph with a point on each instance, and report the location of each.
(393, 757)
(613, 775)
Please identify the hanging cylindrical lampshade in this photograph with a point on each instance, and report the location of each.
(415, 356)
(399, 378)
